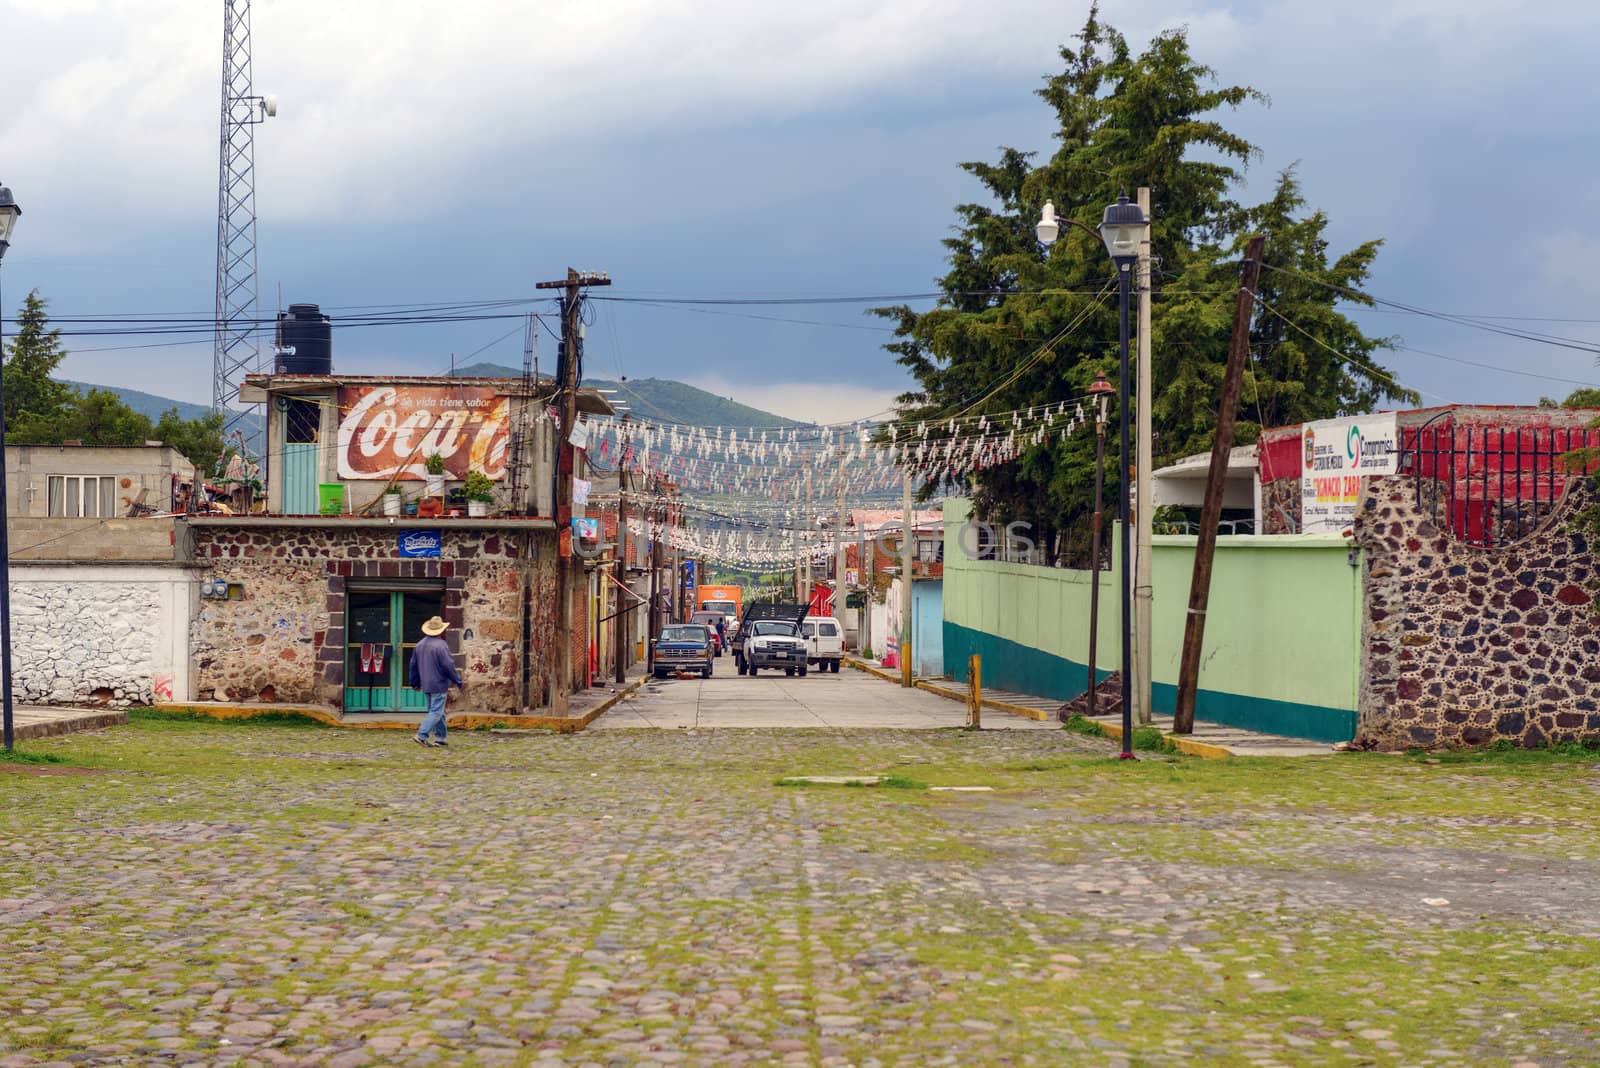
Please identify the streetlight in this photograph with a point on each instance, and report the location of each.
(9, 214)
(1121, 228)
(1099, 390)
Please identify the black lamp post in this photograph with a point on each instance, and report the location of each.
(1121, 228)
(9, 214)
(1099, 389)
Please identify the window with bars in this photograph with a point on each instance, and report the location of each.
(83, 495)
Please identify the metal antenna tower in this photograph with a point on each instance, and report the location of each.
(236, 349)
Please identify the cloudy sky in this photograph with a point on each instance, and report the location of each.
(695, 149)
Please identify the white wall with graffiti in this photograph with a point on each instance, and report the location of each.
(106, 634)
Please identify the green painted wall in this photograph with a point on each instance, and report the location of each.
(1282, 633)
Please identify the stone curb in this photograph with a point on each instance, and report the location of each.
(460, 721)
(1007, 707)
(1189, 746)
(51, 728)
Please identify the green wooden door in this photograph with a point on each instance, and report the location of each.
(300, 465)
(377, 624)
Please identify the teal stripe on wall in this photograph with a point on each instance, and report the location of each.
(1008, 665)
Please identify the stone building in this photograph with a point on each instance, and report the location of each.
(1476, 618)
(321, 599)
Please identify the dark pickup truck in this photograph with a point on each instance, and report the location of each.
(755, 613)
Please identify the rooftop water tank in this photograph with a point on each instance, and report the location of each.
(305, 341)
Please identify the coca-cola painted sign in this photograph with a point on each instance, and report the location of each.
(389, 430)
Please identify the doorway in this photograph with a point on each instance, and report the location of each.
(382, 628)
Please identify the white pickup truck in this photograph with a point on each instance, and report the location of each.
(824, 637)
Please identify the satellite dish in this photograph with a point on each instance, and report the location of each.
(269, 106)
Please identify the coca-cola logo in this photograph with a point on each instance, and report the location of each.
(390, 431)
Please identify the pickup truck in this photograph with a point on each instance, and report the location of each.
(755, 613)
(684, 647)
(824, 638)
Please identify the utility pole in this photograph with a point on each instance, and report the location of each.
(805, 546)
(794, 536)
(624, 611)
(1143, 586)
(839, 588)
(654, 611)
(1194, 628)
(568, 377)
(906, 536)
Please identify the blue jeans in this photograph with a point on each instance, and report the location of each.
(433, 722)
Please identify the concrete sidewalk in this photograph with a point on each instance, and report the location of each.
(43, 721)
(1216, 739)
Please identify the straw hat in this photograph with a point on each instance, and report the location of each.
(434, 627)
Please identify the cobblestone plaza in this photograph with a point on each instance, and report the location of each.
(264, 894)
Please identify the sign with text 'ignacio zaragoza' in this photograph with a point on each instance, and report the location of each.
(1336, 454)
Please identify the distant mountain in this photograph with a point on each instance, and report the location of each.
(660, 399)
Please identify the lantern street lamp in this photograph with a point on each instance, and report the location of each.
(1121, 228)
(9, 214)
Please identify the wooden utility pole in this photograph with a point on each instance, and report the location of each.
(653, 613)
(907, 534)
(1144, 522)
(567, 378)
(840, 591)
(1194, 628)
(805, 545)
(624, 610)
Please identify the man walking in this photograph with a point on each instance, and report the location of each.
(433, 671)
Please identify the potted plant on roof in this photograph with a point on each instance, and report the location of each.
(434, 464)
(392, 499)
(480, 493)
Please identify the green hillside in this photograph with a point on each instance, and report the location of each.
(660, 399)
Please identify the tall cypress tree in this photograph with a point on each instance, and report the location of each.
(1020, 326)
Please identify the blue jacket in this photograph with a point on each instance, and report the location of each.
(433, 670)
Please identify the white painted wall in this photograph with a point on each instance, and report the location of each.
(80, 628)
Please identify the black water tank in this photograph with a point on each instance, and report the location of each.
(305, 339)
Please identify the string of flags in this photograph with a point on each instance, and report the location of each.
(874, 458)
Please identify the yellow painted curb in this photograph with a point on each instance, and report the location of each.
(1181, 743)
(459, 721)
(1199, 749)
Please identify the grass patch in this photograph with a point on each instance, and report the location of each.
(1078, 724)
(1150, 739)
(890, 782)
(18, 756)
(1506, 751)
(182, 715)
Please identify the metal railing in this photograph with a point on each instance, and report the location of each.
(1491, 486)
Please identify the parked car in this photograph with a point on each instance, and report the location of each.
(710, 619)
(684, 647)
(824, 638)
(774, 643)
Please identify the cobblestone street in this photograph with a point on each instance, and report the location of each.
(198, 893)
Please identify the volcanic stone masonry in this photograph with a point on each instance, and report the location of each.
(284, 641)
(1466, 645)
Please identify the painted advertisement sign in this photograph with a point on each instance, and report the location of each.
(1335, 454)
(390, 430)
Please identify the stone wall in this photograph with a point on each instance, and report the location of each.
(284, 640)
(1466, 645)
(99, 635)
